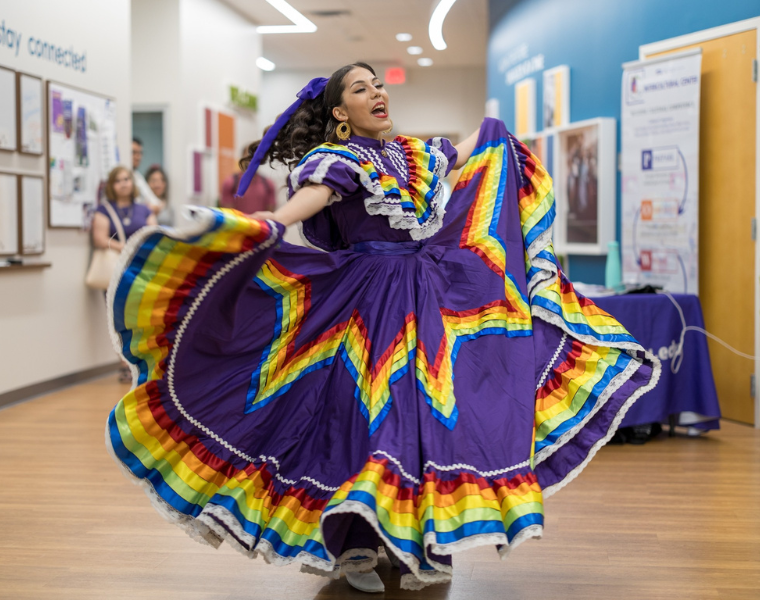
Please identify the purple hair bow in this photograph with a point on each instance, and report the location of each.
(313, 89)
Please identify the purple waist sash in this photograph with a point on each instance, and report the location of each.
(387, 248)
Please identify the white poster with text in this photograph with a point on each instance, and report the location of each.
(660, 172)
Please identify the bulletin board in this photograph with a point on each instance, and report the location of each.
(81, 128)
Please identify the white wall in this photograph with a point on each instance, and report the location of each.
(50, 323)
(219, 49)
(186, 55)
(156, 71)
(433, 101)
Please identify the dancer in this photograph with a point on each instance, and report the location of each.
(422, 385)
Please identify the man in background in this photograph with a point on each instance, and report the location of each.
(145, 194)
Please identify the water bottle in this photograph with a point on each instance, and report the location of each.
(613, 273)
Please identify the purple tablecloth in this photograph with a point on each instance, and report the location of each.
(690, 393)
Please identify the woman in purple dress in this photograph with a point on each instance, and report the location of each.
(421, 381)
(120, 194)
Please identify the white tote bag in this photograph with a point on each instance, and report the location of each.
(104, 260)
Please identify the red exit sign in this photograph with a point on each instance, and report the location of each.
(395, 75)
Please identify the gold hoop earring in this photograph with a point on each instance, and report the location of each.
(343, 131)
(387, 131)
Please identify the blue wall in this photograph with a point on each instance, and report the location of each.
(593, 37)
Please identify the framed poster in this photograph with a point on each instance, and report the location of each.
(556, 97)
(9, 215)
(8, 113)
(82, 151)
(525, 107)
(30, 114)
(32, 215)
(584, 186)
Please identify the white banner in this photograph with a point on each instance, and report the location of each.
(660, 171)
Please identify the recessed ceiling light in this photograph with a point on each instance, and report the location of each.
(435, 28)
(414, 50)
(264, 64)
(300, 23)
(404, 37)
(425, 62)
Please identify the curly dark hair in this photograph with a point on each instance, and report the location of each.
(311, 125)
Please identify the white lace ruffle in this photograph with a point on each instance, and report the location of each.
(398, 218)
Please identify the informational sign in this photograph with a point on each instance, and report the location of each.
(660, 171)
(243, 99)
(82, 146)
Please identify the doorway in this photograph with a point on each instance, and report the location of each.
(148, 126)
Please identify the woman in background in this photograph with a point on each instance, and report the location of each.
(120, 193)
(159, 185)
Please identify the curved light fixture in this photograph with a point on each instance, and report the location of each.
(435, 29)
(300, 23)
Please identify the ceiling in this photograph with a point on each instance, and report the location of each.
(351, 30)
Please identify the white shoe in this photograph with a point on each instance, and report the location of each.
(366, 582)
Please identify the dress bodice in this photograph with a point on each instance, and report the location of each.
(381, 191)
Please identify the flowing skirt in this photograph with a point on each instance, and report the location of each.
(425, 395)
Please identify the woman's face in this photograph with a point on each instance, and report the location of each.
(122, 185)
(365, 104)
(157, 183)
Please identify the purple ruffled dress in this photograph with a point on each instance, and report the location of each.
(422, 384)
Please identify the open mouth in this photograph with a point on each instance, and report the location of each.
(380, 111)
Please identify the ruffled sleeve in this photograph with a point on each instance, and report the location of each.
(339, 169)
(333, 167)
(447, 152)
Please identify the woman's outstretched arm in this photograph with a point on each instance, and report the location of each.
(305, 203)
(465, 148)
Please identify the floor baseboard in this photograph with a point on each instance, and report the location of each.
(53, 385)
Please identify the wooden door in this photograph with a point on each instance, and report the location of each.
(726, 209)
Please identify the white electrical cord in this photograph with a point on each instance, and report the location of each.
(675, 364)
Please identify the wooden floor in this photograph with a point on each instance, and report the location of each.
(676, 518)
